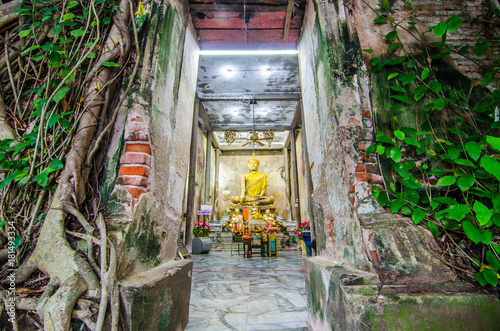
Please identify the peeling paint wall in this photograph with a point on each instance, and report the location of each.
(146, 232)
(335, 92)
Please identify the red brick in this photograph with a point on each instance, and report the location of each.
(377, 178)
(362, 147)
(353, 200)
(140, 148)
(135, 192)
(366, 114)
(352, 189)
(371, 168)
(135, 158)
(374, 255)
(134, 171)
(137, 135)
(363, 176)
(360, 167)
(352, 120)
(136, 119)
(132, 180)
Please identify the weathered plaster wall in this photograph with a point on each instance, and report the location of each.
(146, 231)
(233, 166)
(335, 93)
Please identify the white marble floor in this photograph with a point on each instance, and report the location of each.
(260, 293)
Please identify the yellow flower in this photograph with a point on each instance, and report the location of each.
(141, 10)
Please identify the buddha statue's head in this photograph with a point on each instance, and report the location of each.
(253, 163)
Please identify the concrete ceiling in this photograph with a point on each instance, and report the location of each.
(228, 84)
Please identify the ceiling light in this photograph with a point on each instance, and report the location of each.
(228, 72)
(266, 71)
(262, 52)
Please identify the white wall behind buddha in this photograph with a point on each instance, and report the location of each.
(233, 166)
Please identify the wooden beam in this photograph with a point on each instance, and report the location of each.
(204, 118)
(296, 115)
(288, 19)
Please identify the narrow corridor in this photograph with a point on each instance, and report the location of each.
(260, 293)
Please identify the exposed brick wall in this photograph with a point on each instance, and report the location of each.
(135, 163)
(367, 169)
(474, 18)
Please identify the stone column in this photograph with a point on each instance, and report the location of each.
(293, 152)
(191, 176)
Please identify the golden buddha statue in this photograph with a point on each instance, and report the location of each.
(253, 186)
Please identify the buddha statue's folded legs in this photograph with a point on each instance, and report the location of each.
(255, 200)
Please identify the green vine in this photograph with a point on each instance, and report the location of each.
(445, 170)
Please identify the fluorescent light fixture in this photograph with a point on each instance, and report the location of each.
(266, 71)
(263, 52)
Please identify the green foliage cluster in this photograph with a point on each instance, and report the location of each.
(51, 53)
(446, 170)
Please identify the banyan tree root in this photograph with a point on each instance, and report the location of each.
(71, 276)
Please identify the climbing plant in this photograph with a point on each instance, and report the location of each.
(61, 71)
(445, 170)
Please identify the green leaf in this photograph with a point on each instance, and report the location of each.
(392, 47)
(480, 279)
(471, 231)
(399, 134)
(481, 48)
(488, 78)
(493, 260)
(24, 33)
(421, 90)
(394, 153)
(55, 165)
(418, 215)
(380, 149)
(494, 142)
(439, 103)
(490, 276)
(398, 89)
(393, 187)
(491, 166)
(396, 205)
(42, 179)
(17, 242)
(9, 178)
(425, 73)
(379, 20)
(446, 181)
(385, 5)
(68, 16)
(440, 29)
(72, 4)
(370, 149)
(412, 141)
(446, 200)
(391, 76)
(411, 182)
(383, 139)
(61, 93)
(402, 98)
(453, 23)
(110, 64)
(483, 213)
(496, 220)
(435, 86)
(401, 169)
(451, 224)
(434, 229)
(406, 79)
(473, 149)
(77, 33)
(464, 162)
(394, 61)
(391, 35)
(465, 182)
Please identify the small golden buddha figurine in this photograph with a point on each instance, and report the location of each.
(237, 222)
(269, 218)
(253, 186)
